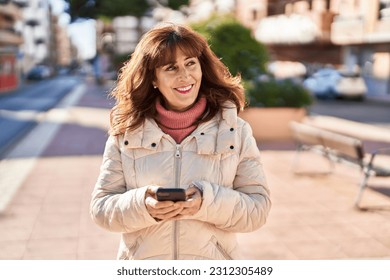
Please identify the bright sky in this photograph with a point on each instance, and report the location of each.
(82, 33)
(58, 6)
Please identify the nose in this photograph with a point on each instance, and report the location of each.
(183, 74)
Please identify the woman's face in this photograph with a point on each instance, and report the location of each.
(179, 82)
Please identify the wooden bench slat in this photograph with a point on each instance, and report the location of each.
(343, 147)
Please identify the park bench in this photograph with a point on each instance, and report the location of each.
(340, 148)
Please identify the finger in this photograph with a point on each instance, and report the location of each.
(154, 212)
(162, 208)
(151, 190)
(191, 207)
(191, 191)
(156, 208)
(186, 212)
(154, 203)
(195, 196)
(168, 215)
(191, 202)
(190, 210)
(161, 212)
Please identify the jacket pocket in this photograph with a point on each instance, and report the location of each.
(129, 251)
(220, 249)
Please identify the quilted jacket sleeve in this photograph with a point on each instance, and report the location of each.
(113, 206)
(244, 207)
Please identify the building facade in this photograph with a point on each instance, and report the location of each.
(362, 29)
(29, 35)
(353, 34)
(10, 40)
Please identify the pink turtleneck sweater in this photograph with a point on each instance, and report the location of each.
(179, 124)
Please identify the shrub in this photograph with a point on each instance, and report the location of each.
(244, 55)
(234, 44)
(273, 93)
(118, 60)
(176, 4)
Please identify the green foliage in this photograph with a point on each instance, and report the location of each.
(113, 8)
(241, 53)
(107, 8)
(234, 44)
(82, 8)
(273, 93)
(119, 59)
(176, 4)
(123, 7)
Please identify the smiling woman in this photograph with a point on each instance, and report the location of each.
(179, 81)
(175, 125)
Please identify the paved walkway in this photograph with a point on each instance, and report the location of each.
(47, 218)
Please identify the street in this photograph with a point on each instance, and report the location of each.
(20, 109)
(367, 111)
(48, 173)
(45, 217)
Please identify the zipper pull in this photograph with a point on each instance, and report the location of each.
(178, 152)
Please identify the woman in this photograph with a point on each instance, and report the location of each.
(175, 125)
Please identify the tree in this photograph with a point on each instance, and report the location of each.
(114, 8)
(235, 45)
(107, 8)
(82, 9)
(176, 4)
(243, 54)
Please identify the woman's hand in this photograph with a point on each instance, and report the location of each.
(160, 210)
(193, 203)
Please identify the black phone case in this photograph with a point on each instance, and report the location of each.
(171, 195)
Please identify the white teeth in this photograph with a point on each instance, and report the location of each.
(185, 88)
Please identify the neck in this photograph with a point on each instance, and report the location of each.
(180, 124)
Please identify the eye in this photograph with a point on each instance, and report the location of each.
(170, 68)
(191, 62)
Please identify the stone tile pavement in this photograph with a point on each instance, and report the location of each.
(312, 215)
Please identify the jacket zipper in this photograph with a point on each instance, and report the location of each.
(177, 165)
(220, 249)
(178, 155)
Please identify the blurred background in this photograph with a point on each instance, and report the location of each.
(322, 62)
(45, 38)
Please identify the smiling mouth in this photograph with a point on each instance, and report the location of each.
(184, 90)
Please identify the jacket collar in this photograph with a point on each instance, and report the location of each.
(147, 136)
(219, 135)
(216, 136)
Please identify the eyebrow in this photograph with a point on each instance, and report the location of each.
(174, 62)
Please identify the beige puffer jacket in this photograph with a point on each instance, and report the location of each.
(220, 157)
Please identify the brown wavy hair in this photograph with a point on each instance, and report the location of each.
(134, 93)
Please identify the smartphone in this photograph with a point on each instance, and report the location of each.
(171, 194)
